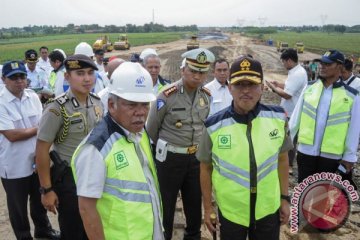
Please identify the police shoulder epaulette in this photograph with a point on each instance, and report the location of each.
(205, 90)
(170, 90)
(94, 95)
(63, 98)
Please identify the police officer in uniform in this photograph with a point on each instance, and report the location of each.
(64, 124)
(175, 124)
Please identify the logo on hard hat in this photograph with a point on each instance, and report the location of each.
(14, 65)
(140, 81)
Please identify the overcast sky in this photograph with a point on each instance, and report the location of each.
(183, 12)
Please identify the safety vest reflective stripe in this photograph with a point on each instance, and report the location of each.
(309, 110)
(269, 114)
(127, 196)
(269, 165)
(269, 170)
(232, 172)
(337, 115)
(223, 123)
(231, 167)
(125, 184)
(107, 146)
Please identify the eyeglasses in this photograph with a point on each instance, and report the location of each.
(17, 77)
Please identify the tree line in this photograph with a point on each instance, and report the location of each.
(35, 30)
(329, 28)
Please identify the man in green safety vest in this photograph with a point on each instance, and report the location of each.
(244, 159)
(327, 120)
(113, 167)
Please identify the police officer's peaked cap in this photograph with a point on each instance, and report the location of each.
(246, 69)
(199, 59)
(79, 61)
(31, 55)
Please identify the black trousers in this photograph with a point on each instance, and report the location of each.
(309, 165)
(18, 191)
(267, 228)
(71, 225)
(181, 172)
(292, 152)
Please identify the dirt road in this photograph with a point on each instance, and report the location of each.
(230, 49)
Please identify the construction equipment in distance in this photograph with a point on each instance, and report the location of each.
(193, 43)
(123, 43)
(282, 46)
(103, 43)
(299, 46)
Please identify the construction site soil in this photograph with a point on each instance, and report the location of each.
(230, 48)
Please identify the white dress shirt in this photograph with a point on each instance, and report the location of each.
(38, 78)
(294, 84)
(355, 83)
(45, 65)
(17, 158)
(220, 96)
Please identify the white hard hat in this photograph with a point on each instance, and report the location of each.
(132, 82)
(147, 52)
(84, 48)
(61, 51)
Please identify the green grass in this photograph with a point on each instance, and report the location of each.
(319, 42)
(11, 49)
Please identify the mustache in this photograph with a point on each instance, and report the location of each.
(139, 120)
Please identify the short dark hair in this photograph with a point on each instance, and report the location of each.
(348, 64)
(220, 60)
(43, 47)
(289, 53)
(56, 55)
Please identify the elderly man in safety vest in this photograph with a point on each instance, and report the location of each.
(114, 169)
(244, 159)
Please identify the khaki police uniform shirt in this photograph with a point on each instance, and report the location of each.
(82, 120)
(176, 117)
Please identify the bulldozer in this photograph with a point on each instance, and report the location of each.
(103, 43)
(123, 43)
(193, 43)
(299, 46)
(282, 46)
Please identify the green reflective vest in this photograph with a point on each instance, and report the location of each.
(337, 121)
(125, 206)
(234, 146)
(52, 80)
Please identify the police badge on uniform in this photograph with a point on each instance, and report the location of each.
(160, 103)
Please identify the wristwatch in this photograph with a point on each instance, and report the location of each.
(43, 190)
(285, 197)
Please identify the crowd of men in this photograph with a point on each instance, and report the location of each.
(110, 145)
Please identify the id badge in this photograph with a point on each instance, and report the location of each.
(161, 150)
